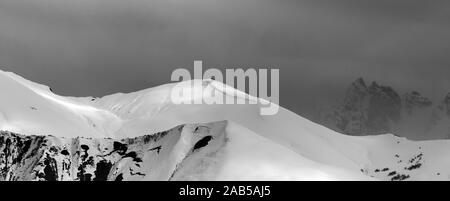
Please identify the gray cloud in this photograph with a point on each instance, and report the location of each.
(98, 47)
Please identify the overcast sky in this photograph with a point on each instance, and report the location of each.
(99, 47)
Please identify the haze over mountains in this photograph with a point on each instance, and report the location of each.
(144, 136)
(370, 109)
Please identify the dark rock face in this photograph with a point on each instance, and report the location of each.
(368, 109)
(385, 106)
(445, 105)
(414, 100)
(102, 170)
(376, 109)
(48, 158)
(15, 149)
(50, 169)
(203, 142)
(440, 120)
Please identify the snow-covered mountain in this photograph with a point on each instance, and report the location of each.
(166, 155)
(144, 136)
(375, 109)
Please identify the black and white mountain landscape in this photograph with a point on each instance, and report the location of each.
(363, 89)
(144, 136)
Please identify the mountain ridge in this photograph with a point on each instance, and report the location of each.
(377, 109)
(248, 146)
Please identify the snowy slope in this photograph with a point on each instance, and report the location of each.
(284, 146)
(213, 151)
(30, 108)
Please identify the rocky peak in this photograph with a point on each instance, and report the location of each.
(359, 83)
(385, 107)
(358, 86)
(368, 109)
(383, 91)
(445, 105)
(372, 108)
(414, 99)
(447, 99)
(356, 93)
(374, 85)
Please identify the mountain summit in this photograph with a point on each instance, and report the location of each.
(376, 109)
